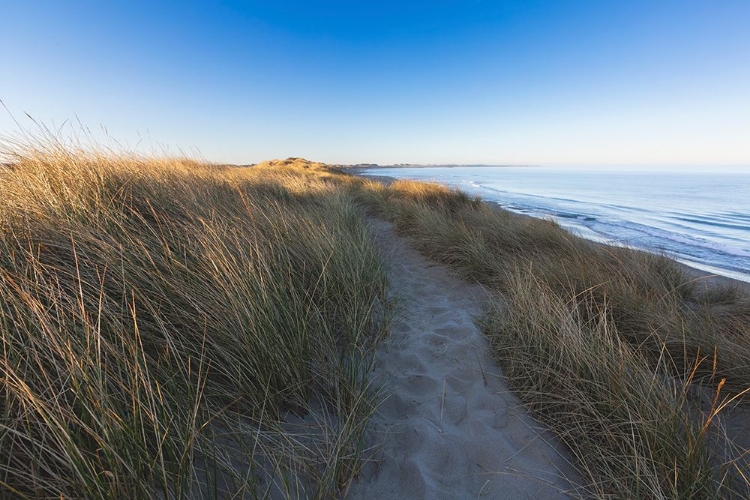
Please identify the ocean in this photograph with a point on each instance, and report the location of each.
(699, 218)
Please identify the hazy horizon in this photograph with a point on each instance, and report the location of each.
(441, 82)
(645, 167)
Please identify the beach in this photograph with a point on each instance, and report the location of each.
(289, 331)
(697, 217)
(448, 401)
(375, 250)
(702, 277)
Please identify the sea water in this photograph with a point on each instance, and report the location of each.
(700, 218)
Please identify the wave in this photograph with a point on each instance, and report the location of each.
(688, 218)
(713, 222)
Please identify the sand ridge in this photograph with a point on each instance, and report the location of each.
(449, 428)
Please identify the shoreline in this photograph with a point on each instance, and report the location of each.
(701, 277)
(523, 361)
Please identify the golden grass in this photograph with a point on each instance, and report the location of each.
(175, 329)
(619, 352)
(171, 328)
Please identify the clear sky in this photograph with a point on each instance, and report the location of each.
(390, 81)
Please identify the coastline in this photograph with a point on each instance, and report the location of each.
(519, 351)
(417, 400)
(702, 278)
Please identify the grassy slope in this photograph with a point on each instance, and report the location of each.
(174, 329)
(610, 347)
(171, 329)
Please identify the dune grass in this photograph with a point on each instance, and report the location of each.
(627, 358)
(173, 329)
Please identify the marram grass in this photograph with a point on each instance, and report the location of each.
(630, 361)
(171, 329)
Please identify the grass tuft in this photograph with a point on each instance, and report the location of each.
(630, 360)
(175, 329)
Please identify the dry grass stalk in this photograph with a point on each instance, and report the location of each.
(607, 345)
(164, 323)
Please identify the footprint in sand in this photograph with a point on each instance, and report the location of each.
(450, 428)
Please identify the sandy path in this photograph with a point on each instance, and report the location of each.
(450, 428)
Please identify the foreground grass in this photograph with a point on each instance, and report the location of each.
(171, 329)
(629, 360)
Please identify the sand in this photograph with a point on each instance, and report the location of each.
(450, 428)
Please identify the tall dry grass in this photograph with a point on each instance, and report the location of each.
(630, 360)
(174, 329)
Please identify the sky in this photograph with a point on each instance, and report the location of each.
(359, 81)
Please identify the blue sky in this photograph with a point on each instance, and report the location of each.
(577, 82)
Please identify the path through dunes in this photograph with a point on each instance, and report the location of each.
(450, 428)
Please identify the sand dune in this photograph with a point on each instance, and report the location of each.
(450, 428)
